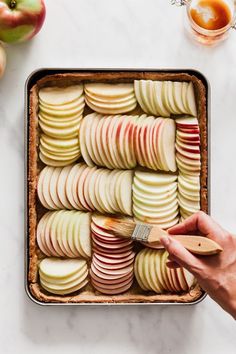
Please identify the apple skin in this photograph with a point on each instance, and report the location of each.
(20, 20)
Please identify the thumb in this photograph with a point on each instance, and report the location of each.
(180, 255)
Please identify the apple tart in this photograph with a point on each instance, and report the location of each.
(126, 143)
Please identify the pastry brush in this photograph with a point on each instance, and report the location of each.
(151, 234)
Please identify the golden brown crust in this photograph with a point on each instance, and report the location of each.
(35, 210)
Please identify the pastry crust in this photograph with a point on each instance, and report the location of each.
(35, 210)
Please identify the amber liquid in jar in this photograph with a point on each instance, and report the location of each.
(210, 15)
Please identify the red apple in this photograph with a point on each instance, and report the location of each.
(20, 20)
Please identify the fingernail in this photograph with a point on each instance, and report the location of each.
(165, 240)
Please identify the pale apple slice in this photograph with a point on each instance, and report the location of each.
(146, 270)
(167, 145)
(125, 192)
(107, 100)
(170, 98)
(74, 186)
(138, 150)
(160, 148)
(110, 142)
(76, 236)
(163, 269)
(144, 95)
(177, 93)
(102, 191)
(154, 178)
(147, 195)
(66, 286)
(157, 188)
(46, 187)
(160, 213)
(92, 121)
(136, 272)
(111, 110)
(47, 235)
(55, 150)
(103, 204)
(154, 278)
(60, 133)
(60, 124)
(64, 282)
(111, 104)
(99, 147)
(104, 139)
(63, 239)
(60, 114)
(149, 91)
(154, 142)
(188, 204)
(114, 175)
(67, 291)
(191, 103)
(187, 136)
(146, 203)
(87, 186)
(92, 191)
(69, 144)
(83, 143)
(157, 275)
(60, 269)
(70, 233)
(149, 145)
(109, 90)
(187, 147)
(141, 266)
(61, 187)
(159, 208)
(187, 122)
(53, 234)
(190, 164)
(184, 96)
(80, 188)
(189, 184)
(144, 139)
(158, 99)
(60, 156)
(84, 232)
(73, 172)
(189, 278)
(40, 236)
(40, 185)
(164, 96)
(60, 95)
(190, 195)
(138, 95)
(61, 107)
(93, 141)
(181, 279)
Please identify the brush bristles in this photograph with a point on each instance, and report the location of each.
(121, 227)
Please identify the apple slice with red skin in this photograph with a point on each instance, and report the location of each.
(167, 138)
(108, 275)
(151, 146)
(92, 122)
(74, 187)
(115, 148)
(110, 142)
(105, 250)
(137, 142)
(112, 285)
(69, 184)
(187, 147)
(122, 271)
(102, 232)
(115, 261)
(115, 291)
(111, 255)
(188, 155)
(111, 246)
(112, 266)
(129, 144)
(190, 163)
(119, 140)
(187, 136)
(188, 142)
(147, 143)
(47, 237)
(156, 137)
(163, 268)
(98, 145)
(187, 121)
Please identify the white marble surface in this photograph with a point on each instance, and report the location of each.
(105, 33)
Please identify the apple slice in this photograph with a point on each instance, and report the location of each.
(40, 185)
(99, 146)
(167, 145)
(53, 234)
(76, 236)
(63, 236)
(84, 231)
(40, 235)
(60, 95)
(102, 191)
(170, 98)
(80, 188)
(177, 93)
(136, 271)
(73, 172)
(191, 103)
(83, 143)
(163, 269)
(104, 139)
(129, 143)
(91, 138)
(125, 192)
(137, 141)
(109, 91)
(61, 187)
(130, 107)
(184, 96)
(144, 93)
(46, 187)
(106, 100)
(189, 278)
(90, 190)
(158, 99)
(154, 277)
(47, 235)
(154, 178)
(114, 148)
(53, 187)
(139, 96)
(87, 188)
(74, 112)
(70, 233)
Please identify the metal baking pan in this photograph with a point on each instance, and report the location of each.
(31, 80)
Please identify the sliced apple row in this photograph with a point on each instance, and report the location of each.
(65, 234)
(188, 154)
(188, 195)
(63, 276)
(113, 260)
(152, 274)
(155, 198)
(84, 188)
(60, 115)
(123, 141)
(110, 98)
(163, 98)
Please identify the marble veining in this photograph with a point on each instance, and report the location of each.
(125, 33)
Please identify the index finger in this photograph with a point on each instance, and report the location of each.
(199, 222)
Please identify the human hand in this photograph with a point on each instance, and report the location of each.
(216, 274)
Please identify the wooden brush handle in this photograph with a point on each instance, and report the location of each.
(198, 244)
